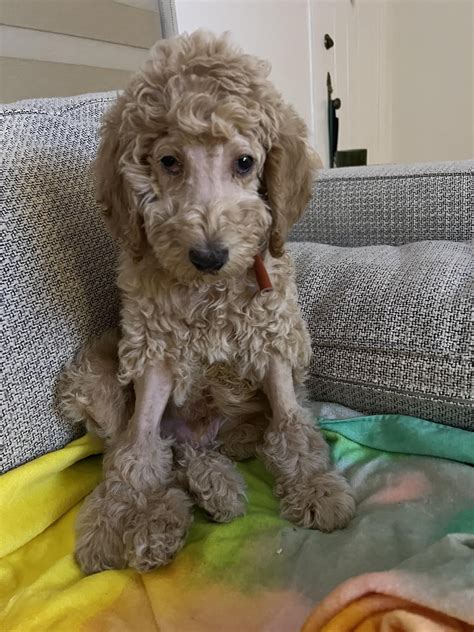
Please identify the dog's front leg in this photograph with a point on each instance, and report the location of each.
(295, 452)
(142, 457)
(134, 517)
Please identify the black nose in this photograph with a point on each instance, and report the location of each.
(209, 259)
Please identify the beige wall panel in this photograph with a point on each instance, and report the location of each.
(22, 43)
(104, 20)
(29, 79)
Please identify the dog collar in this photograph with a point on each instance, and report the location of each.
(261, 274)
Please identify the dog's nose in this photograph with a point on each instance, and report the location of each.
(210, 259)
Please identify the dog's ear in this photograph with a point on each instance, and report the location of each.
(120, 207)
(288, 175)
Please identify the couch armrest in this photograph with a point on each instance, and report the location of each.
(390, 204)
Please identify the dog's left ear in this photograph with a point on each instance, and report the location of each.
(288, 174)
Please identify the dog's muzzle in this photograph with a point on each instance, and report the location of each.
(210, 259)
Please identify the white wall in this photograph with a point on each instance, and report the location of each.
(276, 30)
(431, 55)
(403, 70)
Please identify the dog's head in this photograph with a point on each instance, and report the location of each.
(202, 161)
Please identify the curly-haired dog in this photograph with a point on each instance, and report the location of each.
(201, 167)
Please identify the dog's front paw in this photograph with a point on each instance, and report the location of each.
(324, 502)
(158, 528)
(119, 526)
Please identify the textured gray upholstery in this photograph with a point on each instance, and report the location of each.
(58, 278)
(390, 204)
(391, 327)
(58, 282)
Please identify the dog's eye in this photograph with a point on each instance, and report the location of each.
(243, 165)
(170, 164)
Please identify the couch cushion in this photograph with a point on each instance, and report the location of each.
(390, 204)
(58, 276)
(391, 327)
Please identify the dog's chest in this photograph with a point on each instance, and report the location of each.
(213, 325)
(218, 318)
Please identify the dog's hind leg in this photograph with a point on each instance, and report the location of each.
(212, 480)
(247, 410)
(208, 471)
(89, 391)
(242, 441)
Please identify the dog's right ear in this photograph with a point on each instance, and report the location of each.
(119, 203)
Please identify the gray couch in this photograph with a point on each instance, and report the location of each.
(382, 259)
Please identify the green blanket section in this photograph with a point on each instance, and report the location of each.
(407, 435)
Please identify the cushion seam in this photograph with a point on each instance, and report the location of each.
(386, 351)
(395, 176)
(465, 403)
(59, 110)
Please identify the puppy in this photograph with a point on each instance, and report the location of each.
(202, 167)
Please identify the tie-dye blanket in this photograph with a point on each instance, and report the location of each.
(405, 563)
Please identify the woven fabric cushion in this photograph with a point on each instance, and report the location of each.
(391, 327)
(58, 272)
(390, 204)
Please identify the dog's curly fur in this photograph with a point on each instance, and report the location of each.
(222, 358)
